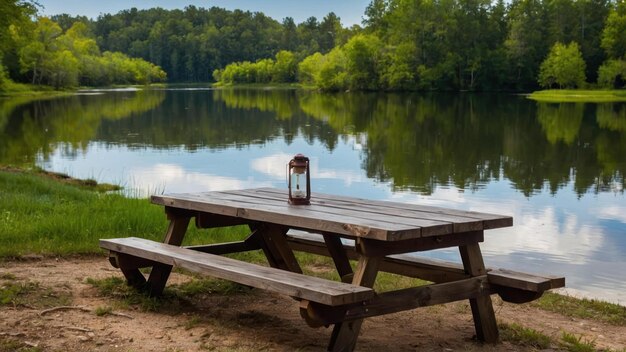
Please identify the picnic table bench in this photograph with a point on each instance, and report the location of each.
(379, 235)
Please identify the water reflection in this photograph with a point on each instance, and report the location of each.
(558, 169)
(30, 129)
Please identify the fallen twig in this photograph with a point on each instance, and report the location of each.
(76, 328)
(121, 315)
(81, 308)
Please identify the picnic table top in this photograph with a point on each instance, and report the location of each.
(346, 216)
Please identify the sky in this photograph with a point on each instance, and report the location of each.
(350, 11)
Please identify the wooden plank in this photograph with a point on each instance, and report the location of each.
(300, 217)
(434, 270)
(408, 265)
(370, 210)
(525, 281)
(352, 216)
(207, 221)
(489, 220)
(297, 285)
(364, 211)
(225, 248)
(383, 248)
(402, 300)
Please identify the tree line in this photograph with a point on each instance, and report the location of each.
(191, 43)
(469, 45)
(37, 50)
(478, 45)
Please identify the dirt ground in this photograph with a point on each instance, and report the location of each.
(240, 322)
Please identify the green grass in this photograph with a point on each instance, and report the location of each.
(579, 96)
(522, 336)
(31, 294)
(13, 345)
(40, 215)
(13, 293)
(583, 308)
(102, 311)
(573, 343)
(12, 89)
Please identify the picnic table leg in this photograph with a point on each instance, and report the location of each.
(482, 308)
(174, 236)
(273, 241)
(340, 258)
(345, 334)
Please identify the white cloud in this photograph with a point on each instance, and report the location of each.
(173, 178)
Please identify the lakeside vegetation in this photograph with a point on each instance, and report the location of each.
(42, 216)
(38, 51)
(457, 45)
(464, 45)
(579, 96)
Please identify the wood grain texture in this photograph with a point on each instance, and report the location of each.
(297, 285)
(345, 334)
(430, 269)
(352, 217)
(482, 308)
(179, 221)
(401, 300)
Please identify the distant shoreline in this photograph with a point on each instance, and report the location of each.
(578, 96)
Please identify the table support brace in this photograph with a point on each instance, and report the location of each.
(345, 334)
(482, 308)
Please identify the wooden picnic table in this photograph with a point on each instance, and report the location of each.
(377, 234)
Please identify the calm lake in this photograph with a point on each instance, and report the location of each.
(558, 169)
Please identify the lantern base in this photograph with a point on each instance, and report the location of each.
(299, 201)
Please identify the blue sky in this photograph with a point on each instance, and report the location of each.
(350, 11)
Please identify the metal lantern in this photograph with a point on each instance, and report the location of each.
(299, 180)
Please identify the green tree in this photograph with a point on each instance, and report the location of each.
(330, 32)
(333, 73)
(285, 67)
(309, 68)
(592, 15)
(62, 69)
(525, 45)
(289, 35)
(614, 35)
(399, 68)
(309, 36)
(612, 74)
(14, 18)
(563, 67)
(362, 52)
(38, 56)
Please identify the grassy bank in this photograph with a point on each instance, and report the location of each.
(264, 85)
(578, 96)
(42, 216)
(12, 89)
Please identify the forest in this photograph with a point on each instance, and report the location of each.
(448, 45)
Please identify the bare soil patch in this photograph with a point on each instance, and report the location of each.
(253, 321)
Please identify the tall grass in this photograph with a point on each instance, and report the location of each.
(39, 215)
